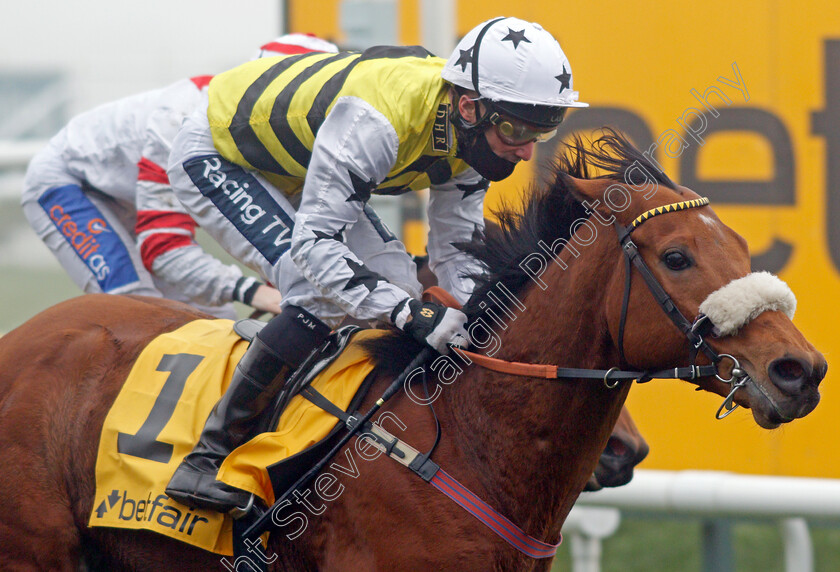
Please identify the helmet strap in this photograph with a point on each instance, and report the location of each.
(472, 129)
(480, 124)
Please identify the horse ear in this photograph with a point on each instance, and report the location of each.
(590, 192)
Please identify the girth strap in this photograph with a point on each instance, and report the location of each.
(398, 450)
(430, 472)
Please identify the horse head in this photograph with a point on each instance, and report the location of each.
(739, 321)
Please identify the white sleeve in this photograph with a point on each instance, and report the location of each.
(456, 212)
(166, 233)
(354, 150)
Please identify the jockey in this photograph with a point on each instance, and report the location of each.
(280, 167)
(99, 198)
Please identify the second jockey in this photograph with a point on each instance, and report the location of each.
(99, 197)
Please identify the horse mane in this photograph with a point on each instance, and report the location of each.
(546, 214)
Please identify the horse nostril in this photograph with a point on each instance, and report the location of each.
(617, 448)
(791, 375)
(788, 369)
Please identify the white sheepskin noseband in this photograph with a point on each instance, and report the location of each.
(734, 305)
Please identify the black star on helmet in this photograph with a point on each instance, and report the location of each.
(319, 235)
(361, 188)
(362, 276)
(516, 37)
(464, 59)
(564, 79)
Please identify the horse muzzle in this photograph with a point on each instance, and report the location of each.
(788, 390)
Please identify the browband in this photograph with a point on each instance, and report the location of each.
(672, 208)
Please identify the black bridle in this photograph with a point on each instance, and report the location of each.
(695, 331)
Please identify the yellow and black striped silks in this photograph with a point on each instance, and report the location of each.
(264, 115)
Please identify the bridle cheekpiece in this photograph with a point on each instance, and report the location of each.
(695, 331)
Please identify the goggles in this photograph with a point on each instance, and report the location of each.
(515, 133)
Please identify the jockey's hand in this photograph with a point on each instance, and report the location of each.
(267, 299)
(432, 324)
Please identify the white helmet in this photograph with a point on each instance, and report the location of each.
(521, 69)
(295, 44)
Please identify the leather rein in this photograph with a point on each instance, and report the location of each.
(421, 463)
(695, 331)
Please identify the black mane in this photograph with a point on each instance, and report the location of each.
(546, 215)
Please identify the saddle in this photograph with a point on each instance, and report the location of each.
(163, 404)
(318, 360)
(161, 409)
(284, 473)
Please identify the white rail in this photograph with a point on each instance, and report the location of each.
(714, 493)
(789, 500)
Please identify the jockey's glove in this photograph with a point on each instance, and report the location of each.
(432, 324)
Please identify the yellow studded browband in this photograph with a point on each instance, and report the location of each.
(672, 208)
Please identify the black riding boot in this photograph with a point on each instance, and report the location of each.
(260, 375)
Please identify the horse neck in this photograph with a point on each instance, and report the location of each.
(532, 444)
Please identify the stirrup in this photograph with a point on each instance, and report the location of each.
(238, 512)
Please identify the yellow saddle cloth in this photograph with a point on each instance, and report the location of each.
(160, 412)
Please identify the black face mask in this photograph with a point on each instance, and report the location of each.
(474, 149)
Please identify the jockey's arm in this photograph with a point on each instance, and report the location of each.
(354, 150)
(456, 212)
(166, 233)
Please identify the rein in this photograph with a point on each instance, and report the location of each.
(610, 376)
(695, 331)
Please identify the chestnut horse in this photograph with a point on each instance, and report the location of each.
(526, 445)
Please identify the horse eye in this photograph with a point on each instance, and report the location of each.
(676, 260)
